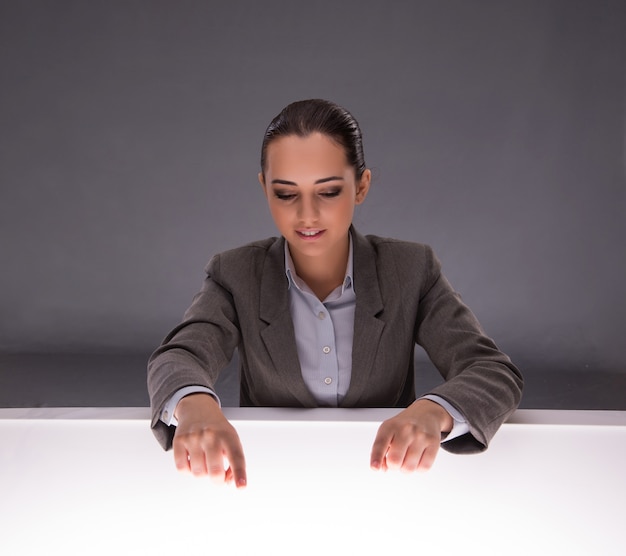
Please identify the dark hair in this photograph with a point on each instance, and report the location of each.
(304, 117)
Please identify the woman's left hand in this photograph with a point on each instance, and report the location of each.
(410, 440)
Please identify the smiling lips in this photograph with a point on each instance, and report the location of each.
(309, 234)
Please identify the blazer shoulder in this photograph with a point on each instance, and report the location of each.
(402, 249)
(404, 262)
(239, 262)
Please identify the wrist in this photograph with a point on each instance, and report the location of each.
(446, 422)
(193, 401)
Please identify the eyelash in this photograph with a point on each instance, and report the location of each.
(289, 196)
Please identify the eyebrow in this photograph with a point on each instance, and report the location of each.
(322, 180)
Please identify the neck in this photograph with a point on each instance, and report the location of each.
(325, 272)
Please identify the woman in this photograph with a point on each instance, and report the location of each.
(323, 316)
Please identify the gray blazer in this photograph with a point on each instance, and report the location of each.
(402, 299)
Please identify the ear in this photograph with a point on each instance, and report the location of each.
(363, 186)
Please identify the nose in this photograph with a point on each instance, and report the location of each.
(308, 210)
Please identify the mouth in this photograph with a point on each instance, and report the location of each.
(309, 234)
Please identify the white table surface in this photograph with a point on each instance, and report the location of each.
(95, 481)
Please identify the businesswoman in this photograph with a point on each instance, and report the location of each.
(323, 316)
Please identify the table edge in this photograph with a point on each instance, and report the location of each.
(519, 417)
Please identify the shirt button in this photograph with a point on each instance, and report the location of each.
(321, 315)
(166, 415)
(326, 349)
(328, 380)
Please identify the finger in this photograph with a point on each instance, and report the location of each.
(197, 462)
(228, 476)
(241, 482)
(237, 464)
(414, 451)
(181, 457)
(214, 460)
(428, 457)
(380, 447)
(420, 455)
(398, 447)
(412, 458)
(396, 453)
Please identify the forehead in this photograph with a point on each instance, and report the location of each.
(313, 153)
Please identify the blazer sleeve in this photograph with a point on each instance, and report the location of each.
(194, 353)
(480, 380)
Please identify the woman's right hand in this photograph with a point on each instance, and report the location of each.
(204, 439)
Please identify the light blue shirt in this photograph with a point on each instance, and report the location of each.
(324, 332)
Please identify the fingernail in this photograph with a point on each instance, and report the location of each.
(241, 483)
(375, 465)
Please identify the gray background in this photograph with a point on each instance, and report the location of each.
(129, 145)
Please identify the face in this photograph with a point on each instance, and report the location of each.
(312, 191)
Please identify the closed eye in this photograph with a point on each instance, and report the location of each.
(284, 196)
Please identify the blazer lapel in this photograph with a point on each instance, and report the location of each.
(278, 336)
(367, 327)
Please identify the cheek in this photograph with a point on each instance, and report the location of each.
(347, 207)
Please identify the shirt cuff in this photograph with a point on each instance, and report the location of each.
(459, 426)
(167, 414)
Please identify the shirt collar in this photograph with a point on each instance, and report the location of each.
(294, 279)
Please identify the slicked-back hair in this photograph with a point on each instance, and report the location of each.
(304, 117)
